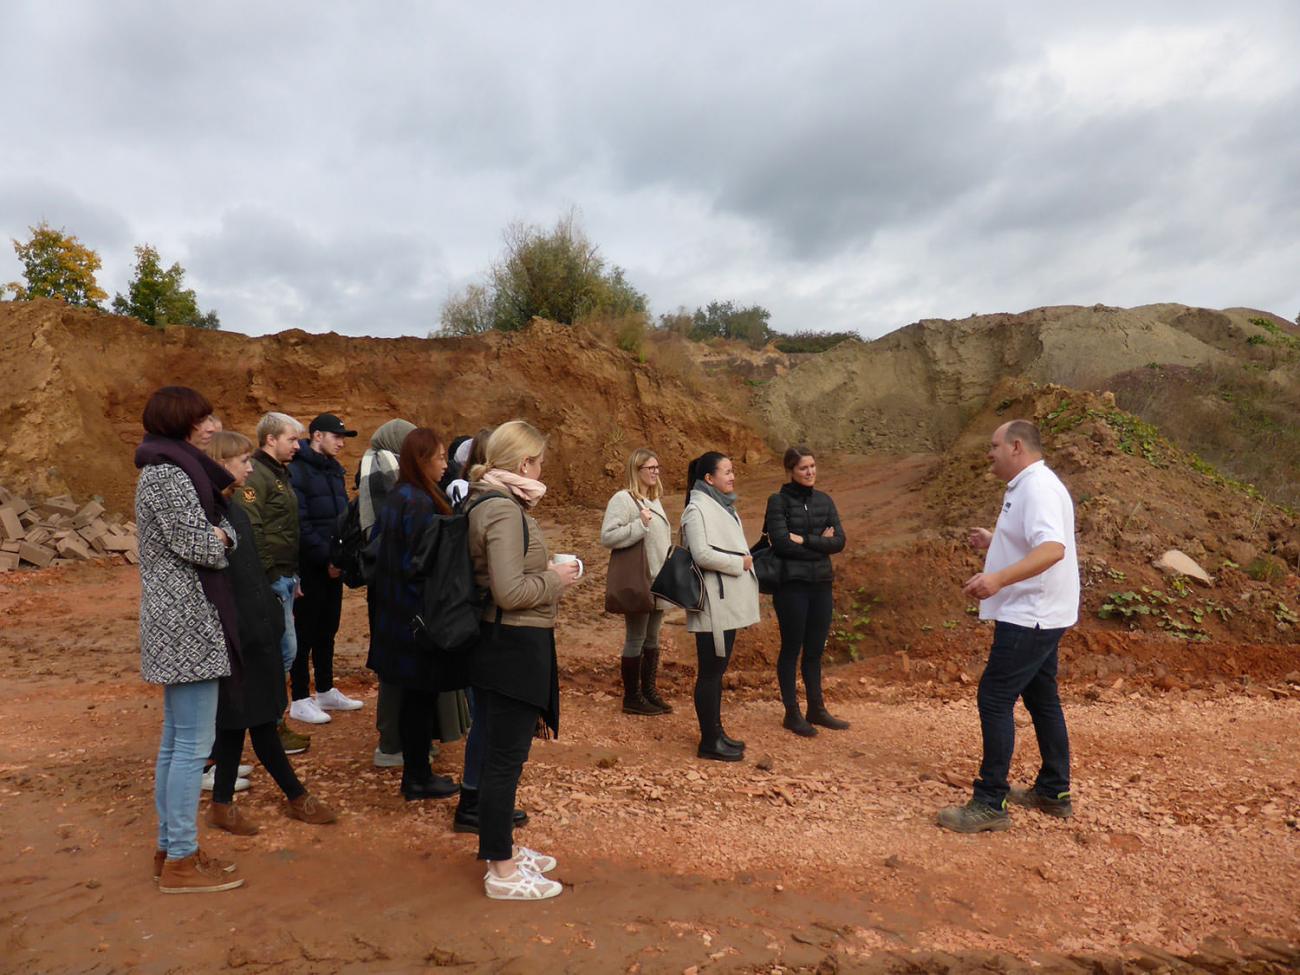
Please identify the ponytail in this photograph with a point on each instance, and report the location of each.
(706, 463)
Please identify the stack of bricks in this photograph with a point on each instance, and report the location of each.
(58, 531)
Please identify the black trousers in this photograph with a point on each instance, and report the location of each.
(419, 714)
(229, 748)
(803, 612)
(508, 729)
(316, 615)
(708, 683)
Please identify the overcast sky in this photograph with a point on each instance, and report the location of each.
(847, 165)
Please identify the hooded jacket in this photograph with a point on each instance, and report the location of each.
(320, 482)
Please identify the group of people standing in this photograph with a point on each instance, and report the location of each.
(238, 551)
(804, 531)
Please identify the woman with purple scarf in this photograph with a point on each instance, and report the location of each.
(188, 627)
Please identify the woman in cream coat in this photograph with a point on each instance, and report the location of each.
(633, 515)
(711, 529)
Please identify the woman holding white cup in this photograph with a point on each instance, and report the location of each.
(514, 670)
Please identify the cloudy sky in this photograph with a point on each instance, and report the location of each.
(852, 165)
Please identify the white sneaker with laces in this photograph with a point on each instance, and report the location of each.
(244, 771)
(534, 861)
(336, 700)
(210, 780)
(522, 885)
(307, 712)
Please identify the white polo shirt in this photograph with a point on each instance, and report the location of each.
(1037, 508)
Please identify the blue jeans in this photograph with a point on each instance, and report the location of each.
(188, 731)
(1022, 663)
(284, 588)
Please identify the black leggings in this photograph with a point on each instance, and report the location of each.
(804, 616)
(708, 683)
(419, 712)
(229, 748)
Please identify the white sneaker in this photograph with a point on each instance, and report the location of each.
(210, 780)
(244, 771)
(522, 885)
(336, 700)
(534, 861)
(307, 712)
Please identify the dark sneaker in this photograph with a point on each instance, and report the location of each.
(294, 743)
(974, 817)
(1060, 807)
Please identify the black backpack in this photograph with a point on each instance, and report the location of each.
(351, 552)
(452, 602)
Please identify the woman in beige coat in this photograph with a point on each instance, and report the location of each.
(711, 529)
(634, 515)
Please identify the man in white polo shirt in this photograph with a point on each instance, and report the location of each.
(1030, 589)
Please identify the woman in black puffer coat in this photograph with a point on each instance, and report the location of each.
(804, 529)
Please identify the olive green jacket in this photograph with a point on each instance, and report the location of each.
(272, 506)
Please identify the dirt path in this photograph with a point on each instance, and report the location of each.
(811, 855)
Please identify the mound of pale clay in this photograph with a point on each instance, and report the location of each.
(916, 388)
(76, 381)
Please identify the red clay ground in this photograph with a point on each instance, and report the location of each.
(814, 855)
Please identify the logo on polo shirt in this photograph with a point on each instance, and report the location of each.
(1006, 505)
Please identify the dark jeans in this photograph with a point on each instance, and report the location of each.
(803, 613)
(475, 746)
(1022, 663)
(388, 717)
(508, 726)
(708, 683)
(316, 616)
(229, 748)
(418, 716)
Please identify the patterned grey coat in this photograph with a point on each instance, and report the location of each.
(180, 634)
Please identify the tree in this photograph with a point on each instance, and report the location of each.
(557, 274)
(158, 297)
(57, 265)
(722, 319)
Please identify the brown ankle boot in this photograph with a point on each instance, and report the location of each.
(197, 874)
(310, 810)
(226, 815)
(633, 702)
(649, 675)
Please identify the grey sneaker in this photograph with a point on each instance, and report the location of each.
(1060, 807)
(974, 817)
(385, 759)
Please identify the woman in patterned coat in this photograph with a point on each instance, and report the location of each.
(188, 623)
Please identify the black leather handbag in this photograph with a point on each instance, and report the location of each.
(767, 565)
(680, 581)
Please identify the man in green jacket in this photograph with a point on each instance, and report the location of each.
(271, 504)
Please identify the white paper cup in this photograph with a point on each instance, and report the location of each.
(565, 557)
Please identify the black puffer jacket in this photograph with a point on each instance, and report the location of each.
(322, 497)
(807, 512)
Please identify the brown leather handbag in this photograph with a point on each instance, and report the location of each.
(627, 586)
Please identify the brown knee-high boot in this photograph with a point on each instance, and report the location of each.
(633, 702)
(649, 675)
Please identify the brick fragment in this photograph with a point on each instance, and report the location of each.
(11, 525)
(88, 513)
(73, 547)
(118, 543)
(8, 561)
(37, 555)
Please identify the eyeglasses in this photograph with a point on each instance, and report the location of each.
(652, 468)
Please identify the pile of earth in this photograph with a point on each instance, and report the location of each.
(77, 381)
(917, 388)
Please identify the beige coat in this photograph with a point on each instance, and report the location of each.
(523, 586)
(730, 592)
(623, 527)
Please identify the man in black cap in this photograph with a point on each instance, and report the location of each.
(318, 479)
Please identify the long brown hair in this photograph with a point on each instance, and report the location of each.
(417, 449)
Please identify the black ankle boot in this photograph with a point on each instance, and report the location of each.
(817, 714)
(466, 818)
(795, 722)
(633, 701)
(649, 677)
(733, 742)
(716, 749)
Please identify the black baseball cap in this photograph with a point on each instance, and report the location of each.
(329, 423)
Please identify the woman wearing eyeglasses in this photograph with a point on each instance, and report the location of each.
(635, 514)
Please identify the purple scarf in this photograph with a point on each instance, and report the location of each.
(209, 479)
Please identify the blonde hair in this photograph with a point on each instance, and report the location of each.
(274, 424)
(510, 445)
(226, 444)
(634, 465)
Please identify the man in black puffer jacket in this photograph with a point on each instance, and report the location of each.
(318, 479)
